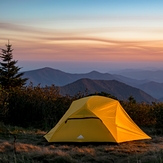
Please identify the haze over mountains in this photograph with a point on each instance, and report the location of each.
(151, 83)
(151, 75)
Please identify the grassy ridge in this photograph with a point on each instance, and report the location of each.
(20, 145)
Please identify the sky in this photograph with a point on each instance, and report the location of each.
(83, 35)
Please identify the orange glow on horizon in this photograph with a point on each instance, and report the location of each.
(77, 50)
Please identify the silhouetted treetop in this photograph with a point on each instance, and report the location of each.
(9, 72)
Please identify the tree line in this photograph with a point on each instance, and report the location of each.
(42, 107)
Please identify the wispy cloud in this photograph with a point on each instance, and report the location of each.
(79, 30)
(80, 44)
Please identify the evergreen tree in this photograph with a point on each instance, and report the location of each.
(9, 72)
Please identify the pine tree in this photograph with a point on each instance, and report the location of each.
(9, 72)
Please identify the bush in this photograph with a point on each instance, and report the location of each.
(157, 112)
(36, 106)
(42, 108)
(141, 113)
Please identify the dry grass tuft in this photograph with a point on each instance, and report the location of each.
(6, 146)
(82, 151)
(21, 147)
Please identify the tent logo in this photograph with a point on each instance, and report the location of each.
(80, 137)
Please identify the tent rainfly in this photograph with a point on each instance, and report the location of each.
(95, 119)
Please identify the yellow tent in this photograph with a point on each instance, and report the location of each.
(95, 119)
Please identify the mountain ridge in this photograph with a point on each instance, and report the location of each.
(49, 76)
(118, 89)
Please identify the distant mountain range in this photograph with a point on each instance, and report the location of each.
(151, 81)
(48, 76)
(113, 87)
(153, 88)
(151, 75)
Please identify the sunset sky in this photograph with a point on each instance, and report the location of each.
(83, 35)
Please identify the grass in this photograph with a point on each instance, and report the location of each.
(18, 145)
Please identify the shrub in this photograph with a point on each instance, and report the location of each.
(141, 113)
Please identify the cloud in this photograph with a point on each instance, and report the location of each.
(44, 35)
(14, 27)
(78, 44)
(78, 31)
